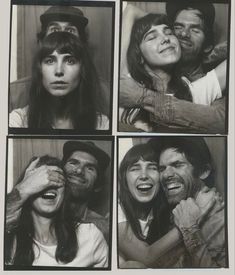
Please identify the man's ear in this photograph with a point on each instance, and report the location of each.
(205, 174)
(207, 49)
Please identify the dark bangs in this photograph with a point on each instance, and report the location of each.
(62, 42)
(145, 23)
(140, 151)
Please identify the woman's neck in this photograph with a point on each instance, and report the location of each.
(43, 231)
(161, 78)
(60, 112)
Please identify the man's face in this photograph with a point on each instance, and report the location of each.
(81, 172)
(176, 176)
(189, 29)
(58, 26)
(143, 180)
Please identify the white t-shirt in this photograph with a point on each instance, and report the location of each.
(92, 250)
(205, 90)
(144, 224)
(19, 119)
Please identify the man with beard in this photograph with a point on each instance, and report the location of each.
(193, 25)
(185, 168)
(84, 167)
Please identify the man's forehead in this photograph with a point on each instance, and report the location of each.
(189, 14)
(171, 154)
(83, 156)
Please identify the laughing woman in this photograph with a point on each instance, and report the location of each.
(47, 234)
(64, 92)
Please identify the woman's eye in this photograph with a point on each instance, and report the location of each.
(71, 60)
(48, 60)
(150, 37)
(153, 167)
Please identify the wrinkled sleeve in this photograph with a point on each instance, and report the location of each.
(195, 117)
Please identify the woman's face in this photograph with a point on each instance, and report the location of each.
(160, 47)
(49, 202)
(60, 73)
(143, 180)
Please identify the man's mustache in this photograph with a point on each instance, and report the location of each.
(77, 175)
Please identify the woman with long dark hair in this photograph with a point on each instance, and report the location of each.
(152, 53)
(64, 92)
(47, 234)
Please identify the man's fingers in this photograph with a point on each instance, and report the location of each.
(32, 165)
(149, 109)
(206, 209)
(55, 176)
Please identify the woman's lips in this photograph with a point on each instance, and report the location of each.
(49, 195)
(167, 49)
(144, 187)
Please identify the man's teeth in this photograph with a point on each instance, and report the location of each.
(144, 187)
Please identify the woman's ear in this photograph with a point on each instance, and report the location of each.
(205, 174)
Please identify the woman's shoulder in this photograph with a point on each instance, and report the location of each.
(19, 117)
(102, 122)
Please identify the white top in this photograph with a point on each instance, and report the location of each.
(18, 119)
(92, 250)
(144, 224)
(205, 90)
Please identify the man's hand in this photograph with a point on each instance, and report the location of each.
(131, 93)
(188, 214)
(37, 179)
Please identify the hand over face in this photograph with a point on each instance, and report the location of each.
(37, 179)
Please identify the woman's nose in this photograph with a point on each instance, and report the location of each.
(59, 69)
(165, 39)
(144, 174)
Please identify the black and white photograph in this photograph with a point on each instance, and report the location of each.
(173, 66)
(172, 202)
(58, 203)
(61, 67)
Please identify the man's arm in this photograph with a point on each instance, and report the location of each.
(34, 181)
(170, 110)
(204, 247)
